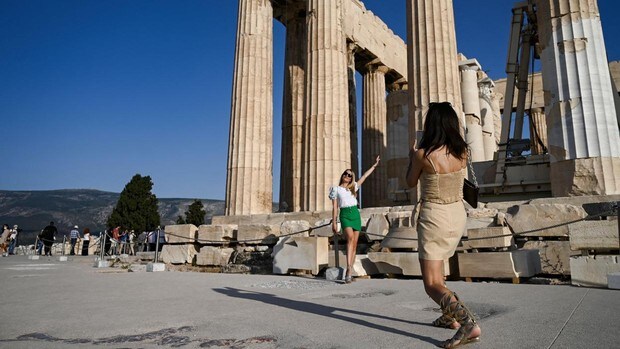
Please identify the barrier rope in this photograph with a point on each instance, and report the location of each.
(248, 240)
(513, 234)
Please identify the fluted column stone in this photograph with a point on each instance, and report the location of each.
(471, 108)
(249, 168)
(352, 48)
(485, 87)
(293, 109)
(582, 129)
(327, 140)
(432, 65)
(374, 135)
(538, 131)
(397, 154)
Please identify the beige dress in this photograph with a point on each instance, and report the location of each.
(442, 217)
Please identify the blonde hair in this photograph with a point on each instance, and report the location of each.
(351, 186)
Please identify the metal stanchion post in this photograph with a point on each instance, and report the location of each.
(618, 217)
(336, 238)
(157, 247)
(64, 240)
(102, 241)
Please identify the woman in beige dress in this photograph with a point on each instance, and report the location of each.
(439, 165)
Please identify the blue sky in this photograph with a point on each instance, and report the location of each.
(93, 92)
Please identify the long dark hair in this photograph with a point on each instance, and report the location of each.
(442, 128)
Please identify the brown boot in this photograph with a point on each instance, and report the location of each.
(469, 331)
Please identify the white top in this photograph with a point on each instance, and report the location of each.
(344, 196)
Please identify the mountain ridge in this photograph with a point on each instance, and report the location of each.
(34, 209)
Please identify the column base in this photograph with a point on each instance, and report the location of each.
(587, 176)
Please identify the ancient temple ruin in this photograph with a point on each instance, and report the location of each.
(574, 116)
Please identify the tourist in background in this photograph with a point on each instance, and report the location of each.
(6, 232)
(344, 205)
(132, 239)
(48, 235)
(13, 239)
(85, 241)
(439, 165)
(142, 242)
(74, 235)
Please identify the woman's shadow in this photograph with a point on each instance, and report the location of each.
(328, 311)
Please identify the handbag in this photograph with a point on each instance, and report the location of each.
(471, 189)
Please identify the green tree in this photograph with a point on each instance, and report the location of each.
(136, 208)
(195, 214)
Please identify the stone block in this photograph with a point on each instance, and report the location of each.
(405, 208)
(403, 237)
(486, 239)
(155, 267)
(101, 264)
(511, 264)
(613, 281)
(592, 271)
(210, 255)
(180, 233)
(34, 257)
(593, 204)
(366, 213)
(554, 256)
(217, 233)
(528, 217)
(297, 252)
(503, 206)
(334, 274)
(594, 235)
(400, 219)
(361, 267)
(480, 222)
(63, 258)
(178, 254)
(403, 263)
(295, 228)
(377, 227)
(258, 234)
(324, 230)
(482, 212)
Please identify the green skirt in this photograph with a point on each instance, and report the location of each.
(350, 218)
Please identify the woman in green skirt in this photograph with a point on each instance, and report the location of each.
(344, 199)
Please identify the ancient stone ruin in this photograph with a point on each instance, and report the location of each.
(571, 160)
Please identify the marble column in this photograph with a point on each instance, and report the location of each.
(471, 108)
(397, 155)
(249, 169)
(352, 48)
(485, 87)
(538, 131)
(326, 129)
(497, 116)
(293, 109)
(432, 65)
(582, 131)
(374, 135)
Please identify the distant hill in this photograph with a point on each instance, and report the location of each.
(33, 210)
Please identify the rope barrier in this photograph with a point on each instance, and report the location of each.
(513, 234)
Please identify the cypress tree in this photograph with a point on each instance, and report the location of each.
(195, 214)
(136, 208)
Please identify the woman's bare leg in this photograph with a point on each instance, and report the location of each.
(434, 285)
(352, 237)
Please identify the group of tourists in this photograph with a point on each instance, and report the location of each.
(124, 241)
(8, 240)
(47, 238)
(438, 165)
